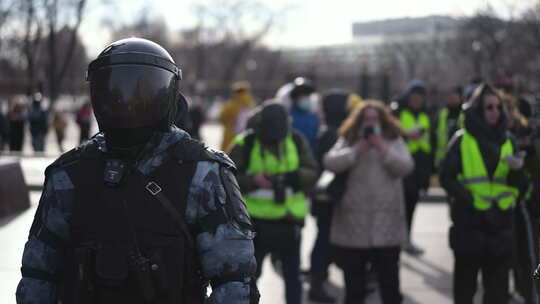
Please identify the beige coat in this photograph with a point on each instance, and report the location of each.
(372, 211)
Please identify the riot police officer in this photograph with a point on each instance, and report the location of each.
(141, 213)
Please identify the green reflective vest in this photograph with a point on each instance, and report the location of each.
(260, 203)
(408, 122)
(486, 191)
(442, 135)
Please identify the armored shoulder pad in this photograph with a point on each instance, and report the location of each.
(221, 157)
(191, 150)
(65, 159)
(88, 149)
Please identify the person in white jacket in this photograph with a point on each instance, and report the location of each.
(369, 224)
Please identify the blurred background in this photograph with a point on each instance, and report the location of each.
(372, 48)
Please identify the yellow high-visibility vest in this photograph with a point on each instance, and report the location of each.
(408, 122)
(486, 191)
(442, 135)
(260, 203)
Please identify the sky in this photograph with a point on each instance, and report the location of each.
(305, 23)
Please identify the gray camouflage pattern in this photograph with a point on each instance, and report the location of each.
(226, 252)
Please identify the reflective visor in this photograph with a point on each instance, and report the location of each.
(130, 96)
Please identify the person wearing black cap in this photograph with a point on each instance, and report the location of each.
(140, 213)
(275, 170)
(416, 124)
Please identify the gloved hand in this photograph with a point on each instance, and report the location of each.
(515, 161)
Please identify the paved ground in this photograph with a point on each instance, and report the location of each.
(424, 280)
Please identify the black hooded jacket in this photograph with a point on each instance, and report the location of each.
(490, 141)
(476, 232)
(334, 105)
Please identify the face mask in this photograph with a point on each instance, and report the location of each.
(305, 104)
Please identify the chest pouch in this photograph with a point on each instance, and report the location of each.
(112, 264)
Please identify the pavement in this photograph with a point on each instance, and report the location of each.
(425, 279)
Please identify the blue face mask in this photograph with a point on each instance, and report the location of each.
(305, 104)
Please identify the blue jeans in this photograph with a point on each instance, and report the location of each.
(38, 142)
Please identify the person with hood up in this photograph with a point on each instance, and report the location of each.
(275, 170)
(235, 112)
(302, 110)
(483, 178)
(368, 223)
(447, 122)
(416, 125)
(336, 106)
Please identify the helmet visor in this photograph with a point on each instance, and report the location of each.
(131, 96)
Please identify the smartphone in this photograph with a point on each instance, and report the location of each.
(368, 131)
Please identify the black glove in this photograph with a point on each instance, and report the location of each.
(292, 179)
(254, 294)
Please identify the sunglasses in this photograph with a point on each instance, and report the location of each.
(492, 107)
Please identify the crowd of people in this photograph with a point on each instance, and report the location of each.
(33, 114)
(361, 167)
(143, 213)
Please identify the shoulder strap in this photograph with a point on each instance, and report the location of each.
(297, 138)
(156, 191)
(249, 142)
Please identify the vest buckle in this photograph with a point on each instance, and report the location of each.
(153, 188)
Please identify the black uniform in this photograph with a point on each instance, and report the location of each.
(141, 213)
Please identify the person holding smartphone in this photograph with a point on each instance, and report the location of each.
(482, 174)
(368, 224)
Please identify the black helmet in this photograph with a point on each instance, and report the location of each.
(133, 84)
(302, 86)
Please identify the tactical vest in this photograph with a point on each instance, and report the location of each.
(486, 191)
(408, 122)
(442, 135)
(260, 203)
(125, 246)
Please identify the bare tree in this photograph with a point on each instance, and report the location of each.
(7, 9)
(233, 26)
(32, 38)
(57, 67)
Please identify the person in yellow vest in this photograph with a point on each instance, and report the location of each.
(483, 177)
(235, 112)
(417, 128)
(276, 169)
(447, 123)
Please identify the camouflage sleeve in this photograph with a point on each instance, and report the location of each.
(225, 246)
(42, 256)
